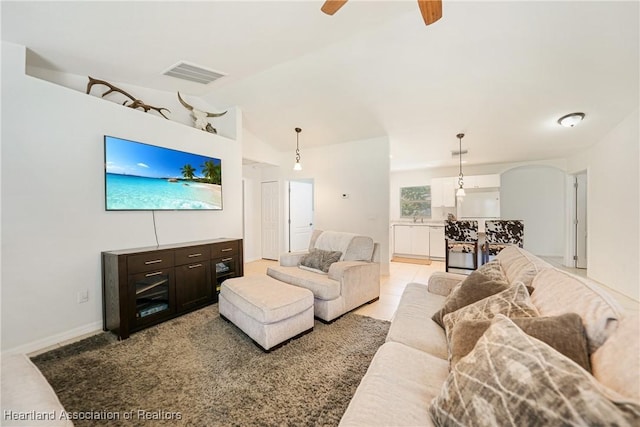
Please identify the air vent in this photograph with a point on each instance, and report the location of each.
(457, 153)
(194, 73)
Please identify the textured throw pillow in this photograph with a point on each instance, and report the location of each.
(565, 333)
(320, 260)
(475, 287)
(513, 379)
(513, 302)
(493, 271)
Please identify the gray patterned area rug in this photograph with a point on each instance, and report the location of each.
(200, 370)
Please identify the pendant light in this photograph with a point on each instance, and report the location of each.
(297, 166)
(460, 192)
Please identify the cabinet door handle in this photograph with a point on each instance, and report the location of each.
(194, 255)
(226, 259)
(226, 249)
(155, 261)
(153, 274)
(195, 266)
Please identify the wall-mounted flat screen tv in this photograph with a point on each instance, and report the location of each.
(146, 177)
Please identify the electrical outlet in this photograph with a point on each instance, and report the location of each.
(83, 296)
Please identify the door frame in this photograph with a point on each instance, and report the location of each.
(571, 245)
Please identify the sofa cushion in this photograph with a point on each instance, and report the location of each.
(320, 260)
(442, 283)
(513, 302)
(474, 288)
(564, 333)
(493, 270)
(353, 247)
(616, 364)
(519, 265)
(321, 285)
(334, 241)
(558, 292)
(512, 376)
(25, 391)
(361, 248)
(412, 324)
(397, 388)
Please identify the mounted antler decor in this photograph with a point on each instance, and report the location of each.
(200, 117)
(135, 103)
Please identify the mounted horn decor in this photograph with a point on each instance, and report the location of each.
(135, 103)
(200, 117)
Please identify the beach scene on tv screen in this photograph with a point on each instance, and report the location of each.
(146, 177)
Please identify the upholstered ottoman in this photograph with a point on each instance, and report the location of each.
(269, 311)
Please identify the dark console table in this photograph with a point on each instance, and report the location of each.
(146, 286)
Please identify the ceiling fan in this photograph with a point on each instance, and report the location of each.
(431, 10)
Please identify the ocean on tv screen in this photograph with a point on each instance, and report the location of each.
(129, 192)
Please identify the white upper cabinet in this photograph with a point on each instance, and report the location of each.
(482, 181)
(443, 192)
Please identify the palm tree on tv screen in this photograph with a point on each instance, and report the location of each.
(212, 172)
(188, 171)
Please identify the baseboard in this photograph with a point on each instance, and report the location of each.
(55, 340)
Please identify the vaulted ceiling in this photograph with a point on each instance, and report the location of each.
(501, 72)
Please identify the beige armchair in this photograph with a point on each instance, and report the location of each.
(348, 283)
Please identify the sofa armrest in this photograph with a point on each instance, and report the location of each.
(291, 259)
(359, 281)
(442, 283)
(338, 269)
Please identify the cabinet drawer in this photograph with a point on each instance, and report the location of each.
(193, 254)
(150, 261)
(221, 250)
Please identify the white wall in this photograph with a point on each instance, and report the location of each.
(536, 194)
(54, 225)
(224, 125)
(613, 212)
(359, 169)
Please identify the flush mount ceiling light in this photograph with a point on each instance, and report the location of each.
(570, 120)
(297, 166)
(460, 192)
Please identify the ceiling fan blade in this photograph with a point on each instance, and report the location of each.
(431, 10)
(332, 6)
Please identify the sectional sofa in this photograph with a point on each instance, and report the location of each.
(412, 379)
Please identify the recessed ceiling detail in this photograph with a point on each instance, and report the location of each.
(193, 73)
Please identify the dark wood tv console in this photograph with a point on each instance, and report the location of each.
(146, 286)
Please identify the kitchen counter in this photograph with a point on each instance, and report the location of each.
(440, 223)
(429, 223)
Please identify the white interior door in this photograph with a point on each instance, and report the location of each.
(270, 220)
(300, 215)
(581, 221)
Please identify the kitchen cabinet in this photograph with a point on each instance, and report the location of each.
(436, 242)
(411, 240)
(482, 181)
(443, 192)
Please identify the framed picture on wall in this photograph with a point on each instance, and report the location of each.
(415, 201)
